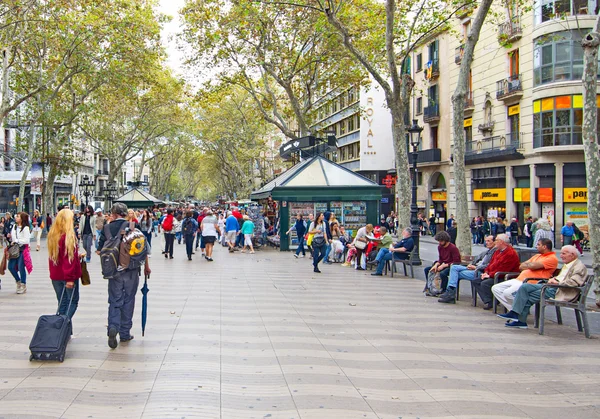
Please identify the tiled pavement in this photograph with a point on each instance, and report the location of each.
(261, 336)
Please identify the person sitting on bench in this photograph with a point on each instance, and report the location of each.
(400, 250)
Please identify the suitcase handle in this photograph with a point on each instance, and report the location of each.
(60, 302)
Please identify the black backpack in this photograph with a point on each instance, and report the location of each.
(188, 227)
(109, 254)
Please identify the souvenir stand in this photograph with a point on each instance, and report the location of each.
(137, 198)
(318, 185)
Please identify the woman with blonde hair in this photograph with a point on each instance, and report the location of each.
(64, 262)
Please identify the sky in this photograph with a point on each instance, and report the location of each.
(171, 8)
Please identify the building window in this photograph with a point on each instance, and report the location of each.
(513, 58)
(351, 124)
(433, 51)
(546, 10)
(342, 127)
(434, 137)
(558, 57)
(342, 102)
(351, 95)
(334, 106)
(432, 94)
(558, 120)
(419, 62)
(357, 117)
(419, 105)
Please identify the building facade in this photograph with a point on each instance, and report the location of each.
(523, 114)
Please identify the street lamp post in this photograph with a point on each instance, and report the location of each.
(415, 137)
(87, 186)
(110, 192)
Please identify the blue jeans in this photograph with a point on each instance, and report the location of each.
(318, 255)
(98, 232)
(327, 252)
(63, 305)
(121, 300)
(300, 246)
(458, 272)
(17, 269)
(178, 236)
(475, 238)
(189, 244)
(87, 240)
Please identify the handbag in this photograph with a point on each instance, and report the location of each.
(14, 251)
(360, 245)
(85, 275)
(4, 262)
(318, 241)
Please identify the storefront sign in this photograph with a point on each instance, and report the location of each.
(544, 194)
(421, 204)
(385, 200)
(578, 213)
(521, 194)
(575, 194)
(514, 110)
(468, 122)
(439, 196)
(497, 194)
(293, 146)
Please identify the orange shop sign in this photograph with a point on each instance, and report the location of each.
(575, 194)
(544, 194)
(439, 196)
(521, 194)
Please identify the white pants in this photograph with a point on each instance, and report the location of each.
(504, 292)
(38, 235)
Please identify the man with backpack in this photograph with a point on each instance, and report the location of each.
(168, 226)
(188, 228)
(122, 282)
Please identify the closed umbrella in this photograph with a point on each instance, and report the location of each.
(145, 290)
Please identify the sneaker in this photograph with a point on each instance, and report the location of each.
(129, 339)
(487, 306)
(359, 269)
(516, 325)
(376, 274)
(18, 287)
(296, 256)
(252, 252)
(345, 264)
(328, 262)
(303, 256)
(511, 316)
(209, 259)
(316, 270)
(112, 338)
(243, 251)
(23, 288)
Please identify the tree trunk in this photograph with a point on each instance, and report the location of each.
(463, 239)
(28, 164)
(403, 180)
(590, 45)
(48, 204)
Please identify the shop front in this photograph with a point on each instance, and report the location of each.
(491, 203)
(522, 198)
(545, 197)
(438, 209)
(318, 185)
(575, 207)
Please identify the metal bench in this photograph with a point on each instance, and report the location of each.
(579, 306)
(404, 262)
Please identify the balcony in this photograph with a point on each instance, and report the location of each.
(509, 89)
(429, 156)
(431, 114)
(432, 70)
(101, 172)
(469, 103)
(510, 31)
(458, 53)
(494, 149)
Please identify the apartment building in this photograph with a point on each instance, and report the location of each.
(362, 125)
(523, 114)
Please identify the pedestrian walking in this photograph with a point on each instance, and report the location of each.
(514, 232)
(147, 225)
(122, 288)
(168, 226)
(248, 232)
(210, 231)
(300, 228)
(64, 262)
(177, 228)
(38, 225)
(319, 240)
(189, 227)
(231, 230)
(48, 222)
(221, 225)
(100, 222)
(567, 233)
(20, 236)
(87, 224)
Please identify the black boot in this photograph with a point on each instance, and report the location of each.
(449, 296)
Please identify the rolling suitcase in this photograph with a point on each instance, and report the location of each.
(52, 333)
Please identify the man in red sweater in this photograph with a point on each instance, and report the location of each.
(448, 255)
(505, 259)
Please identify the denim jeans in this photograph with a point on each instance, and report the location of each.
(178, 236)
(327, 252)
(318, 255)
(458, 272)
(63, 305)
(17, 269)
(189, 244)
(300, 246)
(87, 240)
(387, 255)
(98, 232)
(169, 241)
(121, 300)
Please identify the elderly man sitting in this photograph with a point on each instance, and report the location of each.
(540, 266)
(573, 274)
(470, 272)
(400, 250)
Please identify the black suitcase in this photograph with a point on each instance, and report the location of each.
(52, 333)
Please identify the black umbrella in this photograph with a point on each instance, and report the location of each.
(145, 302)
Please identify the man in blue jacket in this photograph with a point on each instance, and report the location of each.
(300, 227)
(231, 229)
(400, 250)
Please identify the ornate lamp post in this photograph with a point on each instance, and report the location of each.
(415, 138)
(110, 192)
(87, 187)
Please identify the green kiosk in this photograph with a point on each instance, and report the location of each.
(318, 185)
